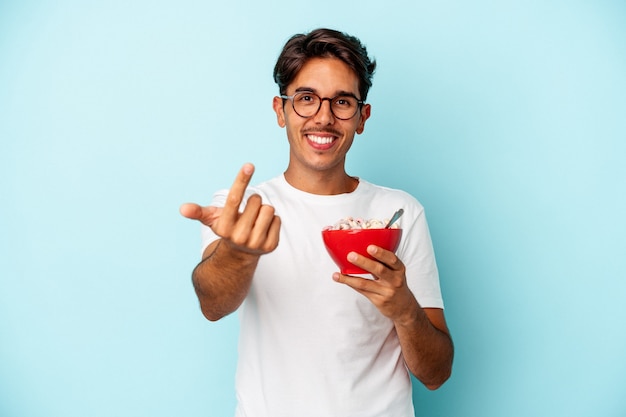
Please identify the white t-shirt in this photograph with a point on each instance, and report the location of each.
(312, 347)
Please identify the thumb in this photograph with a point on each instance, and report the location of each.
(191, 211)
(207, 215)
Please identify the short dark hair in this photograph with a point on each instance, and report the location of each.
(324, 43)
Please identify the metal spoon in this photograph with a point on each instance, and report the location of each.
(394, 218)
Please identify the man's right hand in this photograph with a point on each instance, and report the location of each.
(255, 230)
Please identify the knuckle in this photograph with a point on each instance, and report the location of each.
(270, 246)
(233, 199)
(238, 238)
(379, 269)
(267, 210)
(359, 283)
(253, 203)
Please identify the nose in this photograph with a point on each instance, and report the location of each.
(325, 114)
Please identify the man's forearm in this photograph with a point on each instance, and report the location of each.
(428, 350)
(222, 280)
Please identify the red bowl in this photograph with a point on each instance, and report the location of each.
(341, 242)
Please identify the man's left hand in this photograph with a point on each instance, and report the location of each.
(388, 289)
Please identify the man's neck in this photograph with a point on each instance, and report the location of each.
(322, 183)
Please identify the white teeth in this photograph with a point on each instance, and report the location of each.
(320, 140)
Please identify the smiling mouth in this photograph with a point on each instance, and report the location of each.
(320, 140)
(323, 138)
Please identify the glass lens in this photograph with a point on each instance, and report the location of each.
(344, 107)
(306, 104)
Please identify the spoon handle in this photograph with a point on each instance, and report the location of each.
(394, 218)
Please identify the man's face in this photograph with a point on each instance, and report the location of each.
(320, 142)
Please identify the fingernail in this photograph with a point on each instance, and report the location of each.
(352, 256)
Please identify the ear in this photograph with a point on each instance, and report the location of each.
(366, 111)
(279, 109)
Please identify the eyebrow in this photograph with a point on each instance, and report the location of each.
(337, 93)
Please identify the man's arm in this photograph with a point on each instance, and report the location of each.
(223, 277)
(426, 346)
(423, 334)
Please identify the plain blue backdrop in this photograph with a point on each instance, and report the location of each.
(506, 119)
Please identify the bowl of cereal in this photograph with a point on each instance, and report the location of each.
(355, 235)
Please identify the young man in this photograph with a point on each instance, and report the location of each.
(311, 345)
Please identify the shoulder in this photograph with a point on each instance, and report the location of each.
(389, 194)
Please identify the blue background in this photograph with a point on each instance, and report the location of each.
(506, 119)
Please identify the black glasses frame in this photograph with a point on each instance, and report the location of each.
(330, 101)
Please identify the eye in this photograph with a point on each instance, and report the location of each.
(345, 102)
(306, 98)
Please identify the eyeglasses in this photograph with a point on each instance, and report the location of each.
(307, 104)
